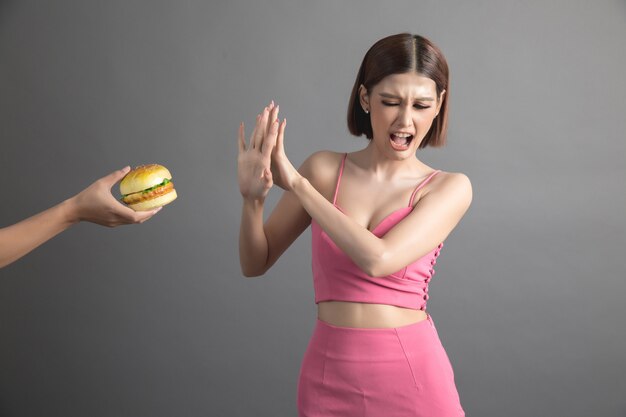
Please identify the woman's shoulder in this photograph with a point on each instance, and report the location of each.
(321, 165)
(321, 168)
(459, 179)
(456, 184)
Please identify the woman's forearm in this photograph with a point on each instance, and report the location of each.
(357, 242)
(253, 247)
(19, 239)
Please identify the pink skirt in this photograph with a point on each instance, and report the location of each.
(392, 372)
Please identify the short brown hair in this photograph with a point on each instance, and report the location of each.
(398, 54)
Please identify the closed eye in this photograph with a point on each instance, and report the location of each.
(417, 106)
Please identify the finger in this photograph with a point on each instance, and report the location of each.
(265, 118)
(258, 137)
(125, 213)
(129, 215)
(256, 128)
(270, 140)
(146, 215)
(281, 135)
(273, 116)
(260, 132)
(142, 216)
(242, 140)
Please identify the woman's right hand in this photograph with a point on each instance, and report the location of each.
(254, 159)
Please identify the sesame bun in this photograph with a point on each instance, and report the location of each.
(147, 187)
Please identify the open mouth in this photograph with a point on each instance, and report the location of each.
(400, 141)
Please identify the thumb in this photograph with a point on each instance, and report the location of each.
(268, 176)
(116, 176)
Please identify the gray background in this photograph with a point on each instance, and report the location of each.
(156, 320)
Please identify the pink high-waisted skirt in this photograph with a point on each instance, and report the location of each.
(392, 372)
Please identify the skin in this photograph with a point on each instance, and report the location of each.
(377, 180)
(94, 204)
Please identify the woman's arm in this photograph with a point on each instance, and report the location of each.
(260, 245)
(94, 204)
(430, 222)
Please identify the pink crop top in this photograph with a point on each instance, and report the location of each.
(337, 278)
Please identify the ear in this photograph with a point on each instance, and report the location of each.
(364, 98)
(440, 102)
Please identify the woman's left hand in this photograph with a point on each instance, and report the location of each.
(284, 173)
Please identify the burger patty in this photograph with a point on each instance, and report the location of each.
(145, 196)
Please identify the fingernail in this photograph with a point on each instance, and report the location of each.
(277, 107)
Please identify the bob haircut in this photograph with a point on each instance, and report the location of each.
(399, 54)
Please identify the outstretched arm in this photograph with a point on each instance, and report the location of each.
(94, 204)
(261, 244)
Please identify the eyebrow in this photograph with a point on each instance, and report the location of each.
(387, 95)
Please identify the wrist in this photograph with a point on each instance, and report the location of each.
(253, 203)
(69, 210)
(299, 184)
(297, 181)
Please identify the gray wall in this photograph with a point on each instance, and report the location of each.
(156, 320)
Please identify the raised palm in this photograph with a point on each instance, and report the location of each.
(254, 159)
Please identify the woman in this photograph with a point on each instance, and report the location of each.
(378, 219)
(94, 204)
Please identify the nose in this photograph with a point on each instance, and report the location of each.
(404, 117)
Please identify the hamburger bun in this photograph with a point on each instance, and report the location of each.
(147, 187)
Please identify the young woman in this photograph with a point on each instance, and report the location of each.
(378, 220)
(94, 204)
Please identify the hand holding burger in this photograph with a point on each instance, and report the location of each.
(94, 204)
(147, 187)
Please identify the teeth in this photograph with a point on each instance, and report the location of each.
(401, 135)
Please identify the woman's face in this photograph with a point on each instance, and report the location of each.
(402, 108)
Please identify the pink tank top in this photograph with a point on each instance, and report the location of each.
(337, 278)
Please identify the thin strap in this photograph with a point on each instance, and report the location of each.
(343, 162)
(423, 183)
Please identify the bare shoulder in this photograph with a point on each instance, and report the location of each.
(321, 169)
(453, 186)
(321, 164)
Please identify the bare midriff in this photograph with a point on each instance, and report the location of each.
(365, 315)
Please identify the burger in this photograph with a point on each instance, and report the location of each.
(147, 187)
